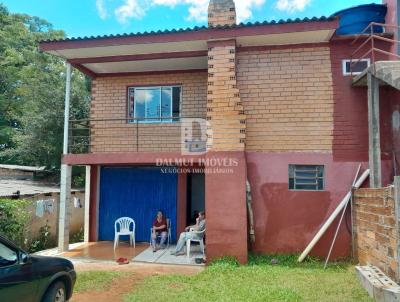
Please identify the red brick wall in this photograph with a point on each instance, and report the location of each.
(109, 101)
(350, 116)
(224, 108)
(287, 98)
(376, 236)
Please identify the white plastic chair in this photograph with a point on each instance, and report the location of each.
(200, 240)
(168, 230)
(124, 224)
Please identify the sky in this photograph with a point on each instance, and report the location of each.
(80, 18)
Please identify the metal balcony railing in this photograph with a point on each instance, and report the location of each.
(370, 48)
(137, 134)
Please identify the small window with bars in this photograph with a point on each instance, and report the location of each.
(306, 177)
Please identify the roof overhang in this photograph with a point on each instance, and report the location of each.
(178, 50)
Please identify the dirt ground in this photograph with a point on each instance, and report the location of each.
(126, 283)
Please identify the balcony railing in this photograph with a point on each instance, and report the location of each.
(370, 47)
(115, 135)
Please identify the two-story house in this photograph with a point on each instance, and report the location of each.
(180, 119)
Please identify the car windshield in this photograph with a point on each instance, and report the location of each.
(7, 256)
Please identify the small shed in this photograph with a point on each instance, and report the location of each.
(19, 172)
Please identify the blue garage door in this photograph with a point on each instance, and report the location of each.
(136, 192)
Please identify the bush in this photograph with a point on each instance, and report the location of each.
(14, 225)
(77, 237)
(14, 219)
(43, 241)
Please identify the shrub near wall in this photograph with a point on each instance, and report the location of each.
(15, 225)
(13, 220)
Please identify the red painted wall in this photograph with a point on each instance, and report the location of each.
(286, 220)
(226, 216)
(94, 178)
(394, 98)
(350, 133)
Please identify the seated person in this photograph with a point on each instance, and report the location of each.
(159, 228)
(198, 227)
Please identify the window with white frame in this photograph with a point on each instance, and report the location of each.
(306, 177)
(154, 104)
(354, 66)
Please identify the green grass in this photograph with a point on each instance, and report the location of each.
(225, 280)
(95, 280)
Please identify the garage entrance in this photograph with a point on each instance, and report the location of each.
(136, 192)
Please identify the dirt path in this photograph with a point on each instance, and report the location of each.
(126, 283)
(119, 286)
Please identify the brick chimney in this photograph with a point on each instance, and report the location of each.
(225, 112)
(221, 12)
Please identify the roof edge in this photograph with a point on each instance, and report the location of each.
(195, 33)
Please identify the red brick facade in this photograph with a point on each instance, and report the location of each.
(109, 101)
(287, 98)
(376, 236)
(267, 106)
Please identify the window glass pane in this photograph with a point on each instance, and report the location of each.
(148, 103)
(176, 100)
(305, 187)
(306, 177)
(320, 184)
(140, 106)
(358, 67)
(291, 183)
(153, 104)
(166, 103)
(306, 181)
(7, 256)
(305, 174)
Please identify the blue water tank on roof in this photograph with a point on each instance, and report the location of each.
(354, 20)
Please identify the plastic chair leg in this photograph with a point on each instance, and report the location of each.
(116, 237)
(188, 248)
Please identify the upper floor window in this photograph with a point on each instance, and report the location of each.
(355, 67)
(306, 177)
(154, 104)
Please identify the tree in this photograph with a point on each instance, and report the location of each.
(32, 90)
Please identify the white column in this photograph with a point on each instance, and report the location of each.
(65, 208)
(87, 205)
(65, 181)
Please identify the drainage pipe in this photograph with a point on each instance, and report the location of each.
(331, 218)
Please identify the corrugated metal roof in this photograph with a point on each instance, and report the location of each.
(198, 28)
(22, 168)
(9, 187)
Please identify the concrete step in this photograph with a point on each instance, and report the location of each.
(377, 284)
(388, 72)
